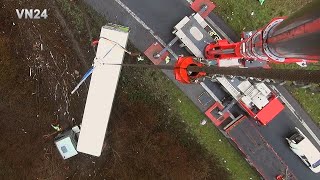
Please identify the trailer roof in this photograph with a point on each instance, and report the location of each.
(102, 89)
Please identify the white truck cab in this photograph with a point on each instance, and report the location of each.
(307, 152)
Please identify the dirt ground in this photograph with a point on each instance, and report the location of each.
(40, 62)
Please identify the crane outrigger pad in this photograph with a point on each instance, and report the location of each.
(197, 5)
(153, 50)
(102, 88)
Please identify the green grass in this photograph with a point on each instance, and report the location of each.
(209, 137)
(310, 101)
(77, 12)
(75, 15)
(237, 13)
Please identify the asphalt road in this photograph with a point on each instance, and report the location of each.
(154, 20)
(283, 126)
(275, 134)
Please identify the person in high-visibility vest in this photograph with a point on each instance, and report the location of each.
(167, 59)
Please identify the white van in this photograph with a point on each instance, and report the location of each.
(303, 147)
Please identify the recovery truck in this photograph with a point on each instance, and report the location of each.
(283, 40)
(196, 35)
(214, 59)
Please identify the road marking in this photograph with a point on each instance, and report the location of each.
(145, 26)
(296, 115)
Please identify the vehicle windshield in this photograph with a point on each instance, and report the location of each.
(316, 164)
(296, 138)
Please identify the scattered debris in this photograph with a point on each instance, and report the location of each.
(203, 122)
(140, 58)
(56, 127)
(252, 13)
(261, 1)
(94, 43)
(24, 131)
(50, 135)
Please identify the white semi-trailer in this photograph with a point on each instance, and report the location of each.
(104, 80)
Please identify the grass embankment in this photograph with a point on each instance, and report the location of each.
(238, 14)
(310, 101)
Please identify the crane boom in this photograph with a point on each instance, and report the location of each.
(283, 40)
